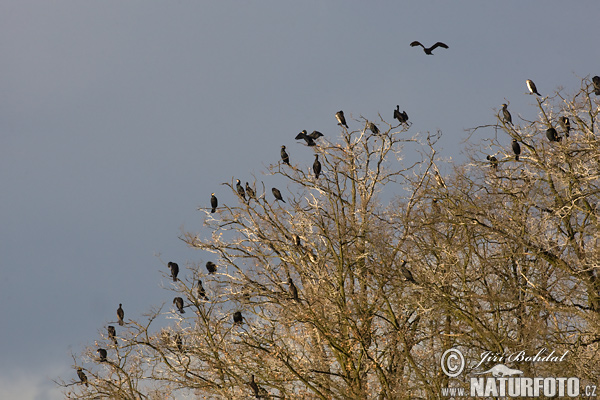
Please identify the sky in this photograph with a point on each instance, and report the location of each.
(119, 118)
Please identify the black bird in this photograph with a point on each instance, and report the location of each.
(506, 113)
(429, 50)
(240, 189)
(250, 192)
(532, 88)
(102, 353)
(213, 202)
(211, 267)
(174, 270)
(297, 241)
(120, 314)
(179, 342)
(317, 166)
(277, 194)
(406, 272)
(341, 119)
(315, 135)
(285, 156)
(82, 376)
(237, 317)
(516, 149)
(112, 333)
(566, 125)
(201, 291)
(178, 301)
(310, 141)
(596, 83)
(293, 290)
(257, 390)
(493, 161)
(552, 135)
(402, 117)
(373, 128)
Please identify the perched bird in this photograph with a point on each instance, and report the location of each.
(211, 267)
(310, 141)
(102, 353)
(250, 191)
(506, 113)
(315, 135)
(531, 87)
(213, 202)
(237, 317)
(174, 270)
(82, 376)
(402, 117)
(493, 161)
(596, 83)
(516, 149)
(178, 301)
(201, 291)
(120, 314)
(552, 135)
(406, 272)
(277, 194)
(317, 166)
(179, 342)
(112, 333)
(341, 119)
(293, 290)
(373, 128)
(257, 390)
(240, 189)
(297, 240)
(429, 50)
(565, 124)
(284, 156)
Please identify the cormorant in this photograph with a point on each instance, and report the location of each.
(341, 119)
(315, 135)
(179, 342)
(102, 353)
(174, 270)
(506, 113)
(250, 191)
(552, 135)
(82, 376)
(429, 50)
(596, 82)
(284, 156)
(213, 202)
(565, 124)
(178, 301)
(277, 194)
(240, 189)
(297, 241)
(317, 166)
(201, 291)
(516, 149)
(211, 267)
(112, 333)
(293, 290)
(493, 161)
(120, 314)
(402, 117)
(406, 272)
(310, 141)
(258, 391)
(532, 88)
(373, 128)
(237, 317)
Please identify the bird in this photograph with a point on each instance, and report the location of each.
(120, 314)
(506, 113)
(493, 161)
(310, 141)
(406, 272)
(213, 202)
(240, 189)
(82, 376)
(174, 270)
(373, 128)
(315, 135)
(201, 291)
(102, 353)
(285, 156)
(293, 289)
(250, 191)
(341, 119)
(211, 267)
(516, 149)
(596, 83)
(178, 301)
(179, 342)
(277, 194)
(552, 135)
(317, 166)
(237, 317)
(402, 117)
(532, 88)
(565, 124)
(112, 333)
(429, 50)
(257, 390)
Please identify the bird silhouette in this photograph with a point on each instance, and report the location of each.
(120, 315)
(250, 191)
(178, 301)
(341, 119)
(516, 149)
(428, 50)
(237, 317)
(596, 83)
(310, 141)
(174, 270)
(82, 377)
(532, 88)
(293, 289)
(373, 128)
(493, 161)
(102, 354)
(285, 156)
(317, 166)
(201, 291)
(552, 135)
(402, 117)
(211, 267)
(112, 333)
(240, 189)
(277, 194)
(565, 124)
(506, 113)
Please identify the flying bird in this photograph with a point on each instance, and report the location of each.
(277, 194)
(493, 161)
(293, 290)
(532, 88)
(174, 270)
(240, 189)
(250, 191)
(596, 83)
(285, 156)
(315, 135)
(373, 128)
(82, 376)
(211, 267)
(429, 50)
(237, 317)
(178, 301)
(112, 333)
(213, 202)
(565, 124)
(506, 113)
(516, 149)
(102, 353)
(552, 135)
(317, 166)
(201, 291)
(310, 141)
(402, 117)
(341, 119)
(120, 314)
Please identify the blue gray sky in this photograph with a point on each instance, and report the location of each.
(118, 119)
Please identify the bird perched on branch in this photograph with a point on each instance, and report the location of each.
(552, 135)
(237, 317)
(516, 149)
(373, 128)
(293, 289)
(310, 141)
(201, 291)
(565, 124)
(250, 191)
(102, 354)
(178, 301)
(112, 333)
(174, 270)
(284, 156)
(341, 119)
(402, 117)
(82, 377)
(211, 267)
(428, 50)
(493, 161)
(506, 114)
(120, 314)
(317, 166)
(596, 83)
(213, 202)
(240, 189)
(532, 88)
(277, 194)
